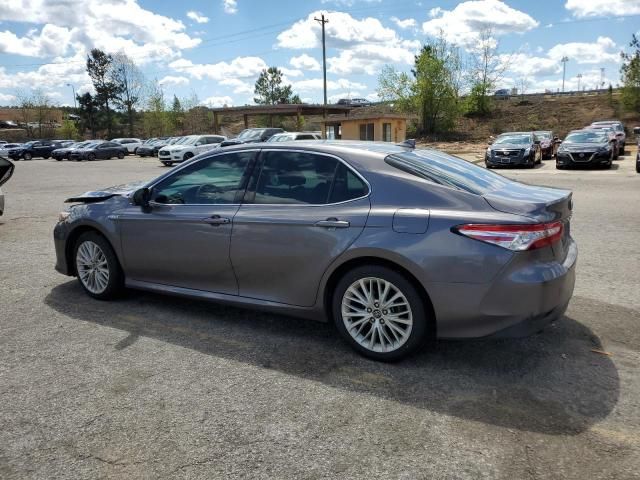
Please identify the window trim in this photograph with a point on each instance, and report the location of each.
(258, 168)
(249, 170)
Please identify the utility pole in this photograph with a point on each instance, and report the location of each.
(564, 61)
(322, 21)
(602, 77)
(75, 106)
(579, 78)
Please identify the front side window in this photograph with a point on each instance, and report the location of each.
(295, 178)
(214, 180)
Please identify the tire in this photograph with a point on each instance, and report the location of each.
(91, 157)
(637, 167)
(97, 284)
(141, 155)
(27, 156)
(560, 167)
(120, 155)
(407, 338)
(46, 158)
(135, 151)
(187, 156)
(58, 159)
(166, 164)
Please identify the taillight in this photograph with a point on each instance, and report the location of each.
(514, 237)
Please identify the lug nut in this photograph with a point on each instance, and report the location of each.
(376, 304)
(382, 321)
(369, 310)
(371, 320)
(384, 312)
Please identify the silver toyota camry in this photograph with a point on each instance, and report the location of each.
(393, 244)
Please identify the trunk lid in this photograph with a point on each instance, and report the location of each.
(541, 204)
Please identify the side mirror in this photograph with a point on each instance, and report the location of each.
(141, 197)
(537, 142)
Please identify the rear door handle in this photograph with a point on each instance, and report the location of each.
(217, 220)
(333, 223)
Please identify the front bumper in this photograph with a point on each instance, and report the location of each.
(519, 160)
(60, 234)
(524, 297)
(583, 158)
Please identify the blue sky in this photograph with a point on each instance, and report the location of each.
(217, 48)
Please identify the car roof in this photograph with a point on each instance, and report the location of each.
(515, 133)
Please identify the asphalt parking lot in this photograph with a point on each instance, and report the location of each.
(158, 387)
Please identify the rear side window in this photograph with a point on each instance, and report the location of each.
(444, 169)
(295, 178)
(346, 186)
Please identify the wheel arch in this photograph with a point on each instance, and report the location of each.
(72, 238)
(343, 268)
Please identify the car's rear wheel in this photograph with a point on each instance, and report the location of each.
(120, 155)
(27, 156)
(379, 312)
(91, 157)
(97, 266)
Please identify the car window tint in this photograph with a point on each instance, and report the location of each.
(213, 180)
(346, 186)
(444, 169)
(295, 178)
(305, 137)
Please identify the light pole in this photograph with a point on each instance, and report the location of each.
(579, 78)
(75, 106)
(564, 61)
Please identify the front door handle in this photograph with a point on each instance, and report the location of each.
(217, 220)
(333, 223)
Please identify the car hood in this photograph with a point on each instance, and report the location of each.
(508, 146)
(106, 193)
(583, 147)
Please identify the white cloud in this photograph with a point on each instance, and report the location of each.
(291, 72)
(407, 23)
(305, 62)
(603, 50)
(230, 6)
(197, 17)
(214, 101)
(603, 8)
(364, 45)
(238, 85)
(6, 99)
(174, 80)
(349, 3)
(50, 41)
(240, 67)
(342, 31)
(463, 24)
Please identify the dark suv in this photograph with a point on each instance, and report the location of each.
(252, 135)
(34, 149)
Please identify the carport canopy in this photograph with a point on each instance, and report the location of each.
(289, 110)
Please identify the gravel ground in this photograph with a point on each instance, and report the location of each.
(158, 387)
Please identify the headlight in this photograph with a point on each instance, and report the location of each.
(63, 216)
(605, 149)
(527, 151)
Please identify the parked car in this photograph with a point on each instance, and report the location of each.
(290, 136)
(5, 147)
(501, 93)
(131, 144)
(586, 148)
(63, 153)
(98, 150)
(8, 124)
(354, 102)
(252, 135)
(6, 170)
(34, 149)
(188, 147)
(620, 132)
(514, 149)
(392, 243)
(549, 143)
(151, 149)
(612, 136)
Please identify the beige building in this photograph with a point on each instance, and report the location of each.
(383, 127)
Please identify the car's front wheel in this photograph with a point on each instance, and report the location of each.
(27, 156)
(187, 156)
(379, 312)
(97, 266)
(91, 157)
(120, 155)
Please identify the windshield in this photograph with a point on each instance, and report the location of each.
(586, 137)
(513, 139)
(250, 134)
(444, 169)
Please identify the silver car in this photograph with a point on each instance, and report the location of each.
(392, 243)
(6, 171)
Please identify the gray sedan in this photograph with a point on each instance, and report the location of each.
(392, 243)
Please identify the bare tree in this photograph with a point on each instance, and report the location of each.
(130, 81)
(524, 84)
(486, 69)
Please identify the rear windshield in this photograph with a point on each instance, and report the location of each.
(444, 169)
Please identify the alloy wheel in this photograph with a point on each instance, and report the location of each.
(377, 314)
(92, 267)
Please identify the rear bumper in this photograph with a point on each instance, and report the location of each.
(520, 301)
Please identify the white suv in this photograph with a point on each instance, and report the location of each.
(131, 144)
(188, 147)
